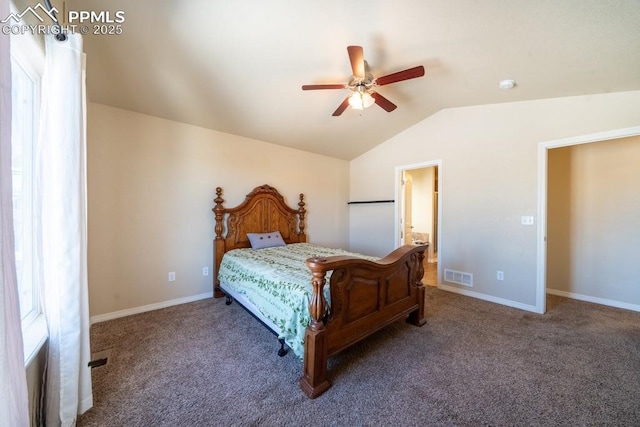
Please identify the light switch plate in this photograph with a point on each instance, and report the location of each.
(527, 220)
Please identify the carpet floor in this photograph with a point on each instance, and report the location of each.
(474, 363)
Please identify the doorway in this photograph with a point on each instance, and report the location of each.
(418, 212)
(563, 243)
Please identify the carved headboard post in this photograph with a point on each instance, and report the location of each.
(301, 225)
(218, 243)
(218, 210)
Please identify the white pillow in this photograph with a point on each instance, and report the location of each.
(265, 240)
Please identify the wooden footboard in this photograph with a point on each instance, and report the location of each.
(365, 297)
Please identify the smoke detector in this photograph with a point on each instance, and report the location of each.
(507, 84)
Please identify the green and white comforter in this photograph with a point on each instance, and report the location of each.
(278, 282)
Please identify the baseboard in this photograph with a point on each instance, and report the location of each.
(137, 310)
(596, 300)
(489, 298)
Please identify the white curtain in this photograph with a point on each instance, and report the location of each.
(14, 401)
(62, 238)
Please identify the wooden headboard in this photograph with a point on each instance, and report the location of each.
(262, 211)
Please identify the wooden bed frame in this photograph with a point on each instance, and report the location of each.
(365, 295)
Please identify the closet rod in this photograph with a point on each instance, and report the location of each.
(371, 201)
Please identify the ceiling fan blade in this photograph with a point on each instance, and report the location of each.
(326, 86)
(342, 107)
(356, 56)
(383, 102)
(407, 74)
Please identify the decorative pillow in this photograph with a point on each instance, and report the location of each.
(265, 240)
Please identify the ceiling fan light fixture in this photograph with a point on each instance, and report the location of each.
(362, 84)
(360, 100)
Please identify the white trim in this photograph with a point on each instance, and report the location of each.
(594, 137)
(543, 148)
(541, 245)
(33, 338)
(596, 300)
(150, 307)
(485, 297)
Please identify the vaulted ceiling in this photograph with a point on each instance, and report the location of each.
(238, 66)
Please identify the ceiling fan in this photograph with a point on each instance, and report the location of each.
(362, 84)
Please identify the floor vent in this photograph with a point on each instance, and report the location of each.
(458, 277)
(99, 359)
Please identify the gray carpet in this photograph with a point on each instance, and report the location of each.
(473, 364)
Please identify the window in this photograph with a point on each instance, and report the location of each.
(25, 91)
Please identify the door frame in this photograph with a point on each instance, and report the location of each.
(404, 212)
(399, 203)
(543, 158)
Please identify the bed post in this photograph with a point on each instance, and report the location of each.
(418, 318)
(302, 238)
(314, 378)
(218, 243)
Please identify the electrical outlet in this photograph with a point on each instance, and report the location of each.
(500, 275)
(205, 271)
(172, 276)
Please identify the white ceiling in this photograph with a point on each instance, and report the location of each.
(238, 66)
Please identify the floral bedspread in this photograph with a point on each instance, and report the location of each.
(278, 282)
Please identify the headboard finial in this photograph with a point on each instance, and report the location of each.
(301, 212)
(218, 210)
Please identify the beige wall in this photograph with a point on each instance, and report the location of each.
(593, 220)
(151, 185)
(152, 182)
(488, 180)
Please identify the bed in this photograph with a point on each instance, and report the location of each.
(364, 294)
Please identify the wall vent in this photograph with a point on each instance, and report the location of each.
(458, 277)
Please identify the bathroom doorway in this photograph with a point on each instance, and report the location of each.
(418, 212)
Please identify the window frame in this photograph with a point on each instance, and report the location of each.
(27, 57)
(31, 81)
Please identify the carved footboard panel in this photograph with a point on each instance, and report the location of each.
(365, 297)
